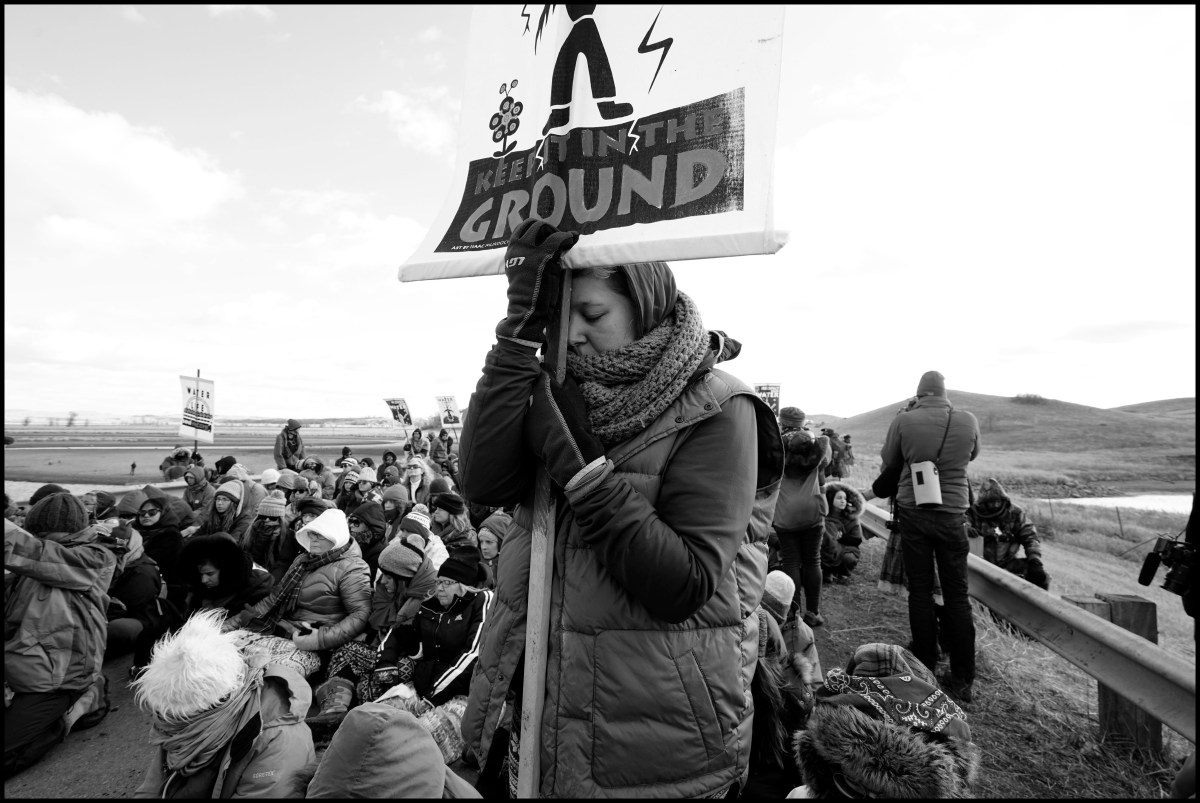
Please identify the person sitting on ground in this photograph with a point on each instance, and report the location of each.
(882, 728)
(395, 502)
(55, 626)
(416, 444)
(841, 545)
(389, 476)
(106, 507)
(367, 527)
(267, 531)
(1006, 530)
(347, 457)
(385, 752)
(319, 610)
(135, 610)
(219, 574)
(366, 489)
(252, 492)
(289, 446)
(436, 652)
(198, 493)
(407, 577)
(417, 523)
(491, 538)
(288, 548)
(321, 473)
(227, 513)
(162, 542)
(418, 477)
(224, 721)
(451, 522)
(389, 459)
(346, 500)
(441, 447)
(269, 479)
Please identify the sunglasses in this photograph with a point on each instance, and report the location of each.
(148, 514)
(353, 522)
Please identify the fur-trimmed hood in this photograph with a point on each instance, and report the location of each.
(802, 452)
(854, 500)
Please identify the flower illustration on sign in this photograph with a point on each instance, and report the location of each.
(504, 123)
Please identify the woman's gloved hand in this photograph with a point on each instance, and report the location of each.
(384, 677)
(558, 432)
(531, 264)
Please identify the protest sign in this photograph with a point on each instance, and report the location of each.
(197, 408)
(648, 129)
(449, 412)
(769, 394)
(399, 409)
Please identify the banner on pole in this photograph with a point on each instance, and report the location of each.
(399, 409)
(197, 408)
(661, 148)
(769, 394)
(449, 412)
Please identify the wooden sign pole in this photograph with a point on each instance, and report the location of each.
(541, 574)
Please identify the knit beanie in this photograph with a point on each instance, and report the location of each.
(932, 384)
(131, 502)
(396, 493)
(463, 566)
(345, 451)
(348, 474)
(440, 485)
(270, 476)
(56, 513)
(391, 471)
(417, 523)
(498, 523)
(232, 489)
(106, 505)
(371, 512)
(791, 417)
(450, 502)
(778, 594)
(192, 669)
(44, 491)
(401, 558)
(350, 461)
(272, 506)
(310, 504)
(293, 424)
(367, 475)
(224, 464)
(290, 482)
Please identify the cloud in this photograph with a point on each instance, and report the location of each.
(259, 11)
(78, 177)
(432, 34)
(425, 120)
(131, 14)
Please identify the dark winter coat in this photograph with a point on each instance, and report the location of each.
(801, 502)
(163, 542)
(843, 531)
(242, 582)
(199, 494)
(1004, 527)
(396, 600)
(372, 546)
(138, 588)
(285, 455)
(914, 436)
(447, 641)
(657, 576)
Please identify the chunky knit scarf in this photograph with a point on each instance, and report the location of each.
(289, 587)
(629, 387)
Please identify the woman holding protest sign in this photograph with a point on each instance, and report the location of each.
(657, 460)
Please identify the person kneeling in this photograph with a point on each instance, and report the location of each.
(1006, 530)
(843, 537)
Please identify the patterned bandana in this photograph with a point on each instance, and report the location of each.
(629, 387)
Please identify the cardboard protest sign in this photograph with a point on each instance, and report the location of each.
(197, 408)
(648, 129)
(451, 416)
(399, 409)
(769, 394)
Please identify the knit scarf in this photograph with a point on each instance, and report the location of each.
(627, 388)
(191, 744)
(289, 586)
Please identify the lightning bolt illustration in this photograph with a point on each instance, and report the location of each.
(526, 16)
(663, 45)
(633, 136)
(541, 159)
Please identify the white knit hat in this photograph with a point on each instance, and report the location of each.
(270, 476)
(778, 593)
(192, 669)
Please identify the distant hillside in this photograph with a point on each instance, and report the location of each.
(1052, 425)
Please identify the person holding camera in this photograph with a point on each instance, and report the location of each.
(931, 444)
(1006, 530)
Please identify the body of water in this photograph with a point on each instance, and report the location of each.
(1172, 503)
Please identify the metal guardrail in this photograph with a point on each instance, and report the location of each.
(1160, 683)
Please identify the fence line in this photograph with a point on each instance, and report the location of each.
(1159, 682)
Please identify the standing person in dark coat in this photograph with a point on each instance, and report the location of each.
(799, 515)
(932, 430)
(289, 446)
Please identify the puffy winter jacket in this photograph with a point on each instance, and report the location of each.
(915, 435)
(336, 597)
(55, 621)
(657, 574)
(199, 493)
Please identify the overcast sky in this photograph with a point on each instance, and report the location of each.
(1003, 194)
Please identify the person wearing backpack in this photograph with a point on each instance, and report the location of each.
(799, 521)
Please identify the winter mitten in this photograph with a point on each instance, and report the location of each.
(1035, 572)
(557, 431)
(531, 264)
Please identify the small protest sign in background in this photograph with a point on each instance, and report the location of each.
(197, 408)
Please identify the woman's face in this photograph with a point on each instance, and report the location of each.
(210, 575)
(602, 319)
(223, 503)
(149, 514)
(448, 591)
(441, 516)
(318, 544)
(839, 500)
(414, 471)
(489, 545)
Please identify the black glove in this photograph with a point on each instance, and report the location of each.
(1036, 573)
(557, 429)
(532, 264)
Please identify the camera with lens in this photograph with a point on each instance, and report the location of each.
(1178, 556)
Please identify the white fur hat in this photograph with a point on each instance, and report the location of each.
(331, 524)
(192, 669)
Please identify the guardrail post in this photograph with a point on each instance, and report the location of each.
(1120, 719)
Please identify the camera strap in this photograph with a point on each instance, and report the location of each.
(944, 434)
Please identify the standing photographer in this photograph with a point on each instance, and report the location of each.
(930, 516)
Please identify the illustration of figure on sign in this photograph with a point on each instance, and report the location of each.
(584, 39)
